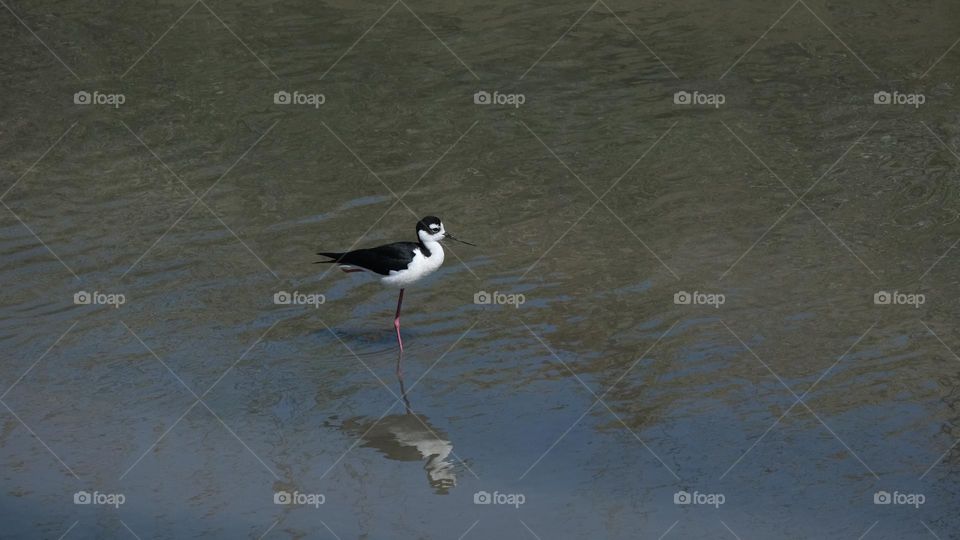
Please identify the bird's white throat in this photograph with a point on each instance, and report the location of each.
(434, 247)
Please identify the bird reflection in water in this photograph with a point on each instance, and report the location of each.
(409, 437)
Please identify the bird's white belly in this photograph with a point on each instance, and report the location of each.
(419, 268)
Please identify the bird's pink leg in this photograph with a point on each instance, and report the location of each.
(396, 324)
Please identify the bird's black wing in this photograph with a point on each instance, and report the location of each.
(381, 259)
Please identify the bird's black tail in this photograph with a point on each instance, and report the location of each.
(335, 257)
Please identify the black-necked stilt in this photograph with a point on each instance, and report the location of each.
(400, 263)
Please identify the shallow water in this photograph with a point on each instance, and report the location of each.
(794, 402)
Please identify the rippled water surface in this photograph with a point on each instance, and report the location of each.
(785, 204)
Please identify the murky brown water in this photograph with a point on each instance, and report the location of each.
(783, 390)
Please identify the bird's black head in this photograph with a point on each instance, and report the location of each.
(430, 228)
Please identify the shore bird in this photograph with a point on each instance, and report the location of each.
(399, 264)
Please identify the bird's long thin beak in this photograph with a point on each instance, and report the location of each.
(455, 239)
